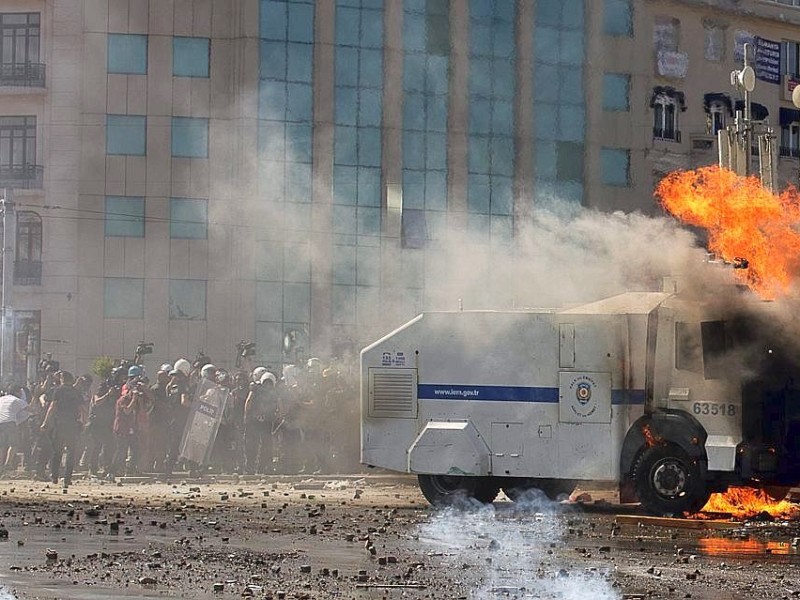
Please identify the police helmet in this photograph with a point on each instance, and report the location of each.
(134, 371)
(208, 371)
(183, 366)
(258, 373)
(268, 377)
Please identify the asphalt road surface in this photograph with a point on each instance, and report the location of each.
(367, 537)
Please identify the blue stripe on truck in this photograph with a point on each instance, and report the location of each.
(502, 393)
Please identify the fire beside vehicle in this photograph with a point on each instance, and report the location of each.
(666, 397)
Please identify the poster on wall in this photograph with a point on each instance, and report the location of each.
(768, 60)
(766, 54)
(672, 64)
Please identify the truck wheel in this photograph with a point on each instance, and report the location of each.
(776, 492)
(668, 482)
(445, 490)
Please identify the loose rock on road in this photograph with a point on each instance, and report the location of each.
(365, 537)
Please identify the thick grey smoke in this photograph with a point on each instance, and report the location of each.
(515, 553)
(567, 255)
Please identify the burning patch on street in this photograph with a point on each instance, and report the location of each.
(746, 503)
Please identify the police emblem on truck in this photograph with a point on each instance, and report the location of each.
(582, 389)
(585, 397)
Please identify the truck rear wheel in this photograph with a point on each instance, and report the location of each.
(445, 490)
(669, 482)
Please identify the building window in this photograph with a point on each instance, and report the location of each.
(414, 229)
(665, 119)
(358, 117)
(667, 103)
(569, 161)
(426, 65)
(190, 56)
(616, 91)
(718, 107)
(124, 216)
(790, 132)
(790, 140)
(188, 218)
(189, 137)
(718, 115)
(28, 256)
(187, 299)
(559, 99)
(790, 59)
(615, 166)
(17, 145)
(20, 36)
(492, 89)
(126, 135)
(123, 298)
(127, 54)
(286, 100)
(618, 18)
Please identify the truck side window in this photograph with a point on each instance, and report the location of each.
(714, 348)
(688, 348)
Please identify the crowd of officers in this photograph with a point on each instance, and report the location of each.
(303, 420)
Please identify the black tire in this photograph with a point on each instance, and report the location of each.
(533, 489)
(776, 492)
(446, 490)
(668, 482)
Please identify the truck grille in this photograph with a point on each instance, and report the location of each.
(393, 393)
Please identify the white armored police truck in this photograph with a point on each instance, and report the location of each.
(668, 397)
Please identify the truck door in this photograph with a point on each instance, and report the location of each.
(588, 349)
(690, 377)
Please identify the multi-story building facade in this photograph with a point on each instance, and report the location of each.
(310, 174)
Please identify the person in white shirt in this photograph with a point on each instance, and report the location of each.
(13, 413)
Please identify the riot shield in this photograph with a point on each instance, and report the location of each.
(202, 425)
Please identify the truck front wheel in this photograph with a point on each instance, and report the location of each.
(446, 490)
(669, 482)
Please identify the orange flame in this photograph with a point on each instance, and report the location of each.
(650, 438)
(743, 219)
(744, 502)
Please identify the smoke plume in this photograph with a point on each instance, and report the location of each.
(513, 552)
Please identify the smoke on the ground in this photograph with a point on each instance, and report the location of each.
(514, 552)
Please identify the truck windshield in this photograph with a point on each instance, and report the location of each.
(688, 347)
(715, 346)
(701, 348)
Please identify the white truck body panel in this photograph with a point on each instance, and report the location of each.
(548, 394)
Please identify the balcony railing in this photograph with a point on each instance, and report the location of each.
(27, 272)
(23, 177)
(790, 152)
(22, 75)
(667, 135)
